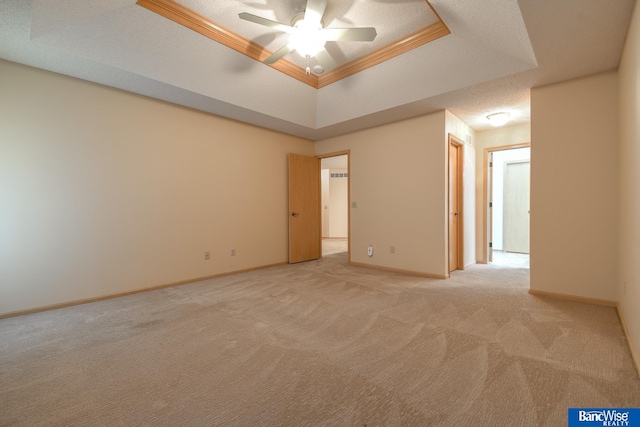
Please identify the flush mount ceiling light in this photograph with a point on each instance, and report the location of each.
(498, 119)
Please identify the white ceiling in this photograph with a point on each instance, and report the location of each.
(497, 51)
(414, 16)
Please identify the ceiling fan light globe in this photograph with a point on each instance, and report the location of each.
(307, 39)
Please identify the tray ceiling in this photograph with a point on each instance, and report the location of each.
(495, 52)
(219, 21)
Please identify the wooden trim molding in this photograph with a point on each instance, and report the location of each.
(634, 355)
(485, 195)
(186, 17)
(133, 292)
(191, 19)
(400, 271)
(576, 298)
(412, 41)
(597, 301)
(334, 154)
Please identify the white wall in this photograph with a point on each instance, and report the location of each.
(574, 187)
(398, 182)
(338, 205)
(104, 192)
(498, 137)
(629, 182)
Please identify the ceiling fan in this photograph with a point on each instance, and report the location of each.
(308, 37)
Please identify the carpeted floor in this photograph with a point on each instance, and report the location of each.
(318, 343)
(510, 259)
(334, 246)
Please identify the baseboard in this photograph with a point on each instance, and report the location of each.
(587, 300)
(133, 292)
(397, 270)
(608, 303)
(634, 355)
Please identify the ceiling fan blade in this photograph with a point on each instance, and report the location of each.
(324, 58)
(364, 34)
(278, 54)
(315, 10)
(264, 21)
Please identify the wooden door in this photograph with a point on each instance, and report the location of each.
(455, 207)
(304, 208)
(516, 207)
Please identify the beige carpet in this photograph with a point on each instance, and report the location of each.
(318, 343)
(334, 246)
(510, 259)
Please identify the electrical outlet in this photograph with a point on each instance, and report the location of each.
(233, 252)
(392, 249)
(206, 255)
(370, 250)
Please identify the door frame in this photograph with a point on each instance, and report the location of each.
(485, 212)
(337, 154)
(453, 140)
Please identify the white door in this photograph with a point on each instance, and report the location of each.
(516, 207)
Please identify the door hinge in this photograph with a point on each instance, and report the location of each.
(490, 244)
(490, 204)
(490, 164)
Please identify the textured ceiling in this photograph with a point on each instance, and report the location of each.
(497, 51)
(413, 15)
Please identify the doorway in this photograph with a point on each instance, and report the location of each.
(506, 201)
(335, 212)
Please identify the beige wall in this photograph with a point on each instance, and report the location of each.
(498, 137)
(398, 183)
(103, 192)
(574, 182)
(629, 222)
